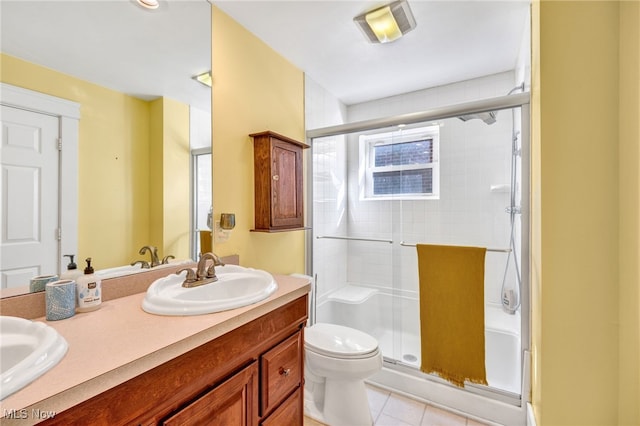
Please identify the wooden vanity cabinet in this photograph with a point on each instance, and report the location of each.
(251, 376)
(278, 182)
(234, 402)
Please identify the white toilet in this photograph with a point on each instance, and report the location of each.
(337, 360)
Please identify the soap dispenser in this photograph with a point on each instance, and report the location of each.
(88, 290)
(72, 272)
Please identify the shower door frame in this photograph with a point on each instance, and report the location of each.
(519, 100)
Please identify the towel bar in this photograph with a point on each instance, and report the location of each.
(354, 239)
(402, 243)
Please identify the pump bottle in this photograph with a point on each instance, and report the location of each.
(88, 290)
(72, 272)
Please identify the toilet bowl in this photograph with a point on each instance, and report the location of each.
(337, 361)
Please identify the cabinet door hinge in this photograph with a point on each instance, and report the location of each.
(59, 234)
(59, 140)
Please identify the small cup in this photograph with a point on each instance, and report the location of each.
(38, 283)
(227, 221)
(60, 299)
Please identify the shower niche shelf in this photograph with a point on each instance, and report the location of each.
(352, 294)
(278, 182)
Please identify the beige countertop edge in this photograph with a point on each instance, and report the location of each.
(290, 288)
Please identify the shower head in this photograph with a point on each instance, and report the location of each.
(488, 117)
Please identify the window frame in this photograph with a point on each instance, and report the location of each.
(367, 159)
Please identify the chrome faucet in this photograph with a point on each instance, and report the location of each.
(155, 261)
(154, 255)
(202, 271)
(203, 274)
(143, 264)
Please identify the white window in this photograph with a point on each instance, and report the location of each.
(401, 164)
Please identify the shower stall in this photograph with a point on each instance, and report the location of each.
(455, 175)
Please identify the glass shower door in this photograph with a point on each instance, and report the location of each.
(446, 181)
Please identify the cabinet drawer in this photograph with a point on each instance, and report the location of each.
(281, 372)
(289, 413)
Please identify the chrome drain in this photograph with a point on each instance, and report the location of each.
(409, 358)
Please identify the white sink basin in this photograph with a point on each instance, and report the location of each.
(236, 287)
(28, 349)
(119, 271)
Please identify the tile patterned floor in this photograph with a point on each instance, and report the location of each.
(390, 409)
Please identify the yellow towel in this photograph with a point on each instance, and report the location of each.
(205, 242)
(452, 312)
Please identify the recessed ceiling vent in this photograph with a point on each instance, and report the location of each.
(386, 23)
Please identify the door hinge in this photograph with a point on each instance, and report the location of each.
(59, 234)
(59, 140)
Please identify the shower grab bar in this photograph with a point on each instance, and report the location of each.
(375, 240)
(402, 243)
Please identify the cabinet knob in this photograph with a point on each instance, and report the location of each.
(284, 372)
(276, 177)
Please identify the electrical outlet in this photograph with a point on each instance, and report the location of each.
(221, 235)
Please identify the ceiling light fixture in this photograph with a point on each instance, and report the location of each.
(148, 4)
(387, 23)
(204, 78)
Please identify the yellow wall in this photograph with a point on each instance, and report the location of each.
(629, 373)
(156, 195)
(175, 180)
(585, 213)
(133, 161)
(113, 155)
(169, 178)
(254, 89)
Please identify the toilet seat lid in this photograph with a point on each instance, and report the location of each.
(339, 341)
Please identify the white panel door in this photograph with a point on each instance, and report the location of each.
(29, 180)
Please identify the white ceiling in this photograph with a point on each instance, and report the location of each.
(453, 41)
(148, 54)
(116, 43)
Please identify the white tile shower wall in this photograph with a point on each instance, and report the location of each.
(473, 157)
(322, 109)
(329, 188)
(523, 64)
(421, 100)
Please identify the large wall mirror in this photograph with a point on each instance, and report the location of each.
(131, 72)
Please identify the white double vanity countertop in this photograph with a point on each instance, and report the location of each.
(120, 341)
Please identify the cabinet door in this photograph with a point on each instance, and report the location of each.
(289, 413)
(286, 185)
(233, 403)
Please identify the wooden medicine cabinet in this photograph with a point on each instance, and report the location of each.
(278, 182)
